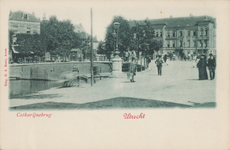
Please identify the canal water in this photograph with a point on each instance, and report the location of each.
(20, 88)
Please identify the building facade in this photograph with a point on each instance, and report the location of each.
(184, 34)
(22, 22)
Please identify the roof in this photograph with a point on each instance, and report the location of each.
(78, 28)
(177, 22)
(83, 35)
(17, 16)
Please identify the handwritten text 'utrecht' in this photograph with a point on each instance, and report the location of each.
(130, 116)
(33, 115)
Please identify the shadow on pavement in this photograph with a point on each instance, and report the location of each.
(194, 79)
(113, 103)
(126, 82)
(42, 96)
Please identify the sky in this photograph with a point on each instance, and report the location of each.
(104, 11)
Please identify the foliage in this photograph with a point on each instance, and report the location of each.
(59, 36)
(101, 48)
(10, 38)
(140, 38)
(29, 44)
(123, 36)
(145, 40)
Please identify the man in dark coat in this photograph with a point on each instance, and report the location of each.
(211, 66)
(159, 63)
(201, 65)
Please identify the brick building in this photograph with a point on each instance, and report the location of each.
(22, 22)
(193, 34)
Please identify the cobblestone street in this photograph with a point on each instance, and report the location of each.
(179, 84)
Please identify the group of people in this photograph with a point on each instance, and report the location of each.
(203, 63)
(129, 55)
(199, 61)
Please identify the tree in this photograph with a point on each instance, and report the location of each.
(101, 48)
(10, 38)
(59, 36)
(123, 36)
(29, 44)
(144, 39)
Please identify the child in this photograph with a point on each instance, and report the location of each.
(159, 63)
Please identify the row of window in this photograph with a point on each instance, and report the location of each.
(180, 33)
(25, 25)
(205, 43)
(28, 31)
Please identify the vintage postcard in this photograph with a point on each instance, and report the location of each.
(115, 74)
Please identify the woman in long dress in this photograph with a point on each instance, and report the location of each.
(201, 65)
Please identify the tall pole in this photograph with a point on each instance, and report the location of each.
(91, 47)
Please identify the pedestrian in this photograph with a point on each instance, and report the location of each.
(127, 54)
(211, 66)
(134, 54)
(194, 60)
(174, 57)
(165, 58)
(148, 61)
(132, 69)
(159, 63)
(201, 65)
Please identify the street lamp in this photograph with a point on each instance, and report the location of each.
(114, 36)
(116, 61)
(116, 27)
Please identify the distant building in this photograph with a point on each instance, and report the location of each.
(83, 34)
(193, 34)
(23, 22)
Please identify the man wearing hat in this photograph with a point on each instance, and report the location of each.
(159, 63)
(211, 66)
(201, 65)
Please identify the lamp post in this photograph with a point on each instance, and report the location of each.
(114, 36)
(116, 27)
(116, 61)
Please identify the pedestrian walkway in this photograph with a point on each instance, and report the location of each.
(179, 83)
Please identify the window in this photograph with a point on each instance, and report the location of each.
(174, 34)
(188, 33)
(180, 43)
(160, 34)
(206, 32)
(168, 34)
(194, 33)
(156, 33)
(25, 16)
(173, 44)
(168, 44)
(180, 33)
(28, 30)
(188, 44)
